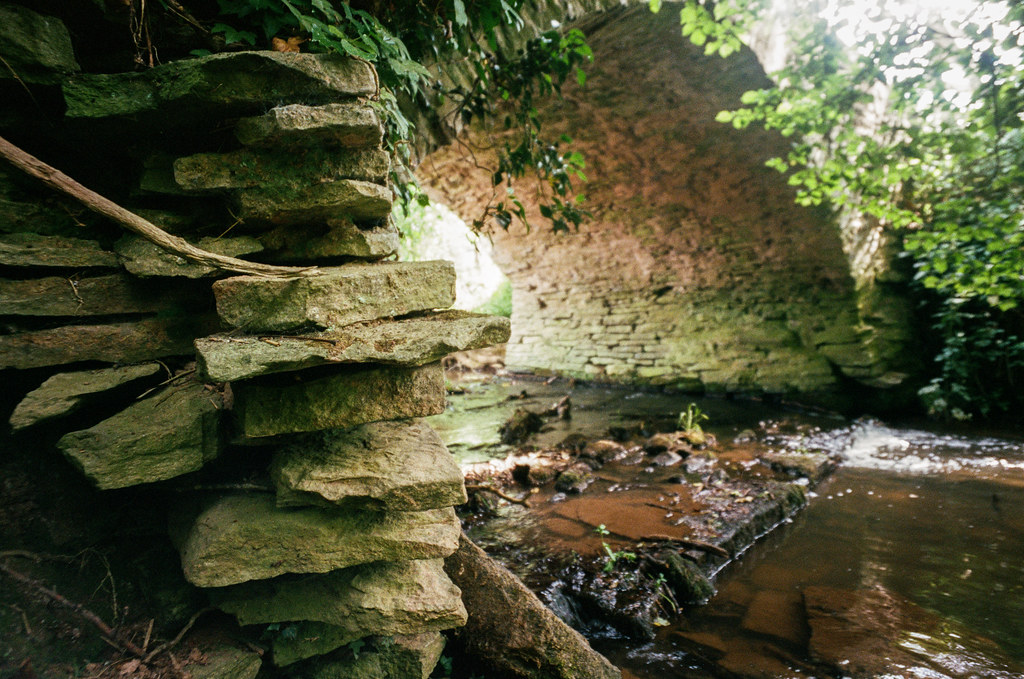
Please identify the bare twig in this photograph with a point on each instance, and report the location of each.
(56, 179)
(106, 632)
(174, 642)
(688, 542)
(504, 496)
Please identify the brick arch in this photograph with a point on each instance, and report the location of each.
(697, 269)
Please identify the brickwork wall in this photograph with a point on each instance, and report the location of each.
(696, 270)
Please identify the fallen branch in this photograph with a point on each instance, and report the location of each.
(688, 542)
(504, 496)
(56, 179)
(106, 631)
(181, 635)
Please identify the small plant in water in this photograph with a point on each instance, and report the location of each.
(690, 419)
(614, 557)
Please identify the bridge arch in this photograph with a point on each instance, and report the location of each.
(697, 270)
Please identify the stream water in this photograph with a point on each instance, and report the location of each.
(907, 562)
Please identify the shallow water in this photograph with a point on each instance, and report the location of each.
(908, 562)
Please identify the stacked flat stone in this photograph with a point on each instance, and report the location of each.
(351, 543)
(327, 372)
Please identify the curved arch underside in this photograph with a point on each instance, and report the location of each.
(696, 270)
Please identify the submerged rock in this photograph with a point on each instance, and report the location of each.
(520, 426)
(247, 537)
(351, 125)
(403, 597)
(173, 432)
(338, 296)
(400, 465)
(407, 341)
(344, 399)
(64, 393)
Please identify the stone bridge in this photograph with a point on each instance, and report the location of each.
(696, 269)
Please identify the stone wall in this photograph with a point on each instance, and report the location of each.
(696, 269)
(270, 422)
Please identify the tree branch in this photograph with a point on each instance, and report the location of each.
(59, 181)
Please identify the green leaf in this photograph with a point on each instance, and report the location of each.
(460, 13)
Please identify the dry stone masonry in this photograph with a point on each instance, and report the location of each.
(271, 420)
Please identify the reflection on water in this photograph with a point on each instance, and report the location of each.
(908, 562)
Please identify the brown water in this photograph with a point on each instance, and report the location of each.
(908, 562)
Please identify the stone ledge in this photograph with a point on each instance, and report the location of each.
(398, 466)
(239, 538)
(407, 341)
(337, 297)
(345, 398)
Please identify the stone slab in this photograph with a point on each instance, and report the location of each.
(345, 399)
(29, 249)
(35, 48)
(225, 662)
(338, 296)
(401, 597)
(398, 657)
(281, 171)
(145, 259)
(340, 238)
(78, 296)
(398, 466)
(65, 393)
(408, 341)
(352, 198)
(351, 125)
(239, 538)
(220, 84)
(129, 342)
(173, 432)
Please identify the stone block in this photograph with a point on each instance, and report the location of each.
(338, 296)
(345, 398)
(246, 169)
(173, 432)
(34, 48)
(145, 259)
(407, 341)
(400, 657)
(64, 393)
(352, 198)
(78, 296)
(350, 125)
(129, 342)
(403, 597)
(216, 86)
(341, 238)
(239, 538)
(399, 466)
(29, 249)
